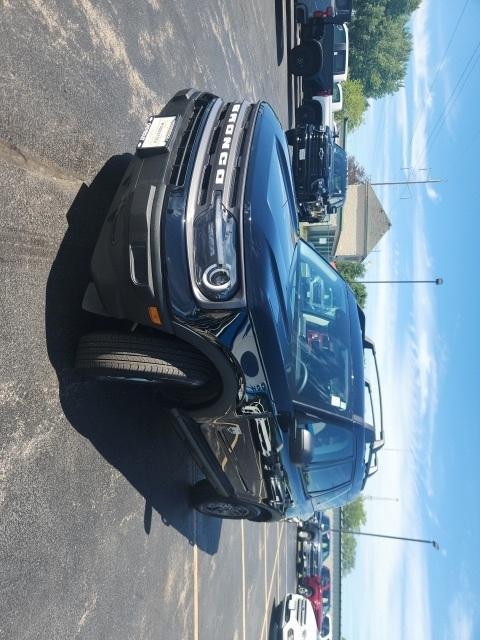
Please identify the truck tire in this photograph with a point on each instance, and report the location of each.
(310, 112)
(291, 135)
(206, 500)
(144, 358)
(305, 59)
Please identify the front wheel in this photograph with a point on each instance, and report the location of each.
(309, 112)
(291, 135)
(185, 375)
(206, 500)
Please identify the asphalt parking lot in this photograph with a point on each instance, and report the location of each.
(97, 536)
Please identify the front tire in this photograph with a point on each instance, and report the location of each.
(291, 136)
(206, 500)
(309, 113)
(184, 374)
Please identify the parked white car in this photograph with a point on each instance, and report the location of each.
(297, 620)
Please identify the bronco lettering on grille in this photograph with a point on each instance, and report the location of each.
(226, 142)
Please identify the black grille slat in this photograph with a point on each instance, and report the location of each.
(179, 168)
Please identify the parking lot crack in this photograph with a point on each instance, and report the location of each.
(12, 154)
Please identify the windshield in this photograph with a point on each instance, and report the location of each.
(339, 175)
(319, 368)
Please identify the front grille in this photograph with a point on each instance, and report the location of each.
(234, 193)
(315, 150)
(207, 182)
(179, 168)
(302, 611)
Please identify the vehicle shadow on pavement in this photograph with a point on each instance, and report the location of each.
(279, 22)
(125, 422)
(273, 629)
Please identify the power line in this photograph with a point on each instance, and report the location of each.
(442, 61)
(460, 85)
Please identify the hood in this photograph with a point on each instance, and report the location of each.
(270, 237)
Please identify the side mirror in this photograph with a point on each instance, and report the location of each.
(369, 344)
(301, 451)
(325, 627)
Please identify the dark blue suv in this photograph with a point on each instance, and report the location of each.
(252, 338)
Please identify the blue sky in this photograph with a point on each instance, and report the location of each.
(428, 340)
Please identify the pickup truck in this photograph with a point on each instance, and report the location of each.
(319, 166)
(216, 301)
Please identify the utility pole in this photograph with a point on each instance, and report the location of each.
(429, 181)
(437, 281)
(434, 544)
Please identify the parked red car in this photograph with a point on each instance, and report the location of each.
(317, 590)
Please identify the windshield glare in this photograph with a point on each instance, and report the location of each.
(319, 370)
(331, 442)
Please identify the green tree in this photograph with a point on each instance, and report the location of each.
(354, 514)
(354, 104)
(391, 7)
(351, 271)
(401, 7)
(380, 45)
(353, 517)
(349, 552)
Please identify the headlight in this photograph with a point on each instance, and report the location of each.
(215, 240)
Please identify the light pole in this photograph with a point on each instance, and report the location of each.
(437, 281)
(382, 535)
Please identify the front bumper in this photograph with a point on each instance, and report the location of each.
(141, 265)
(127, 266)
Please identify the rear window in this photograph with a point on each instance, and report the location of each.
(343, 5)
(339, 35)
(336, 93)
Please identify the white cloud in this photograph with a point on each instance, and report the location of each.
(432, 193)
(402, 321)
(461, 617)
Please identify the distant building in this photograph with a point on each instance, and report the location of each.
(353, 231)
